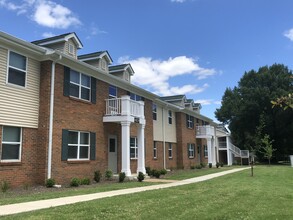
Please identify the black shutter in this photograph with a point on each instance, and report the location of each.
(192, 119)
(66, 84)
(142, 98)
(188, 151)
(64, 152)
(187, 125)
(128, 93)
(93, 90)
(93, 146)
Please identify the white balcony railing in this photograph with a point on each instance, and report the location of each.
(222, 144)
(245, 153)
(205, 130)
(235, 149)
(124, 106)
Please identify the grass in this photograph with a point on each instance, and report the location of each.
(267, 195)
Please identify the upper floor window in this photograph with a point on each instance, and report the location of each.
(170, 117)
(112, 92)
(135, 97)
(154, 112)
(78, 145)
(103, 64)
(80, 85)
(17, 69)
(189, 121)
(11, 144)
(71, 49)
(190, 150)
(155, 151)
(133, 148)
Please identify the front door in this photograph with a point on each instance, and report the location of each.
(112, 153)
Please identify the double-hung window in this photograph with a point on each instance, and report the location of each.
(155, 150)
(112, 92)
(154, 112)
(17, 67)
(11, 144)
(78, 145)
(170, 117)
(205, 150)
(189, 121)
(170, 150)
(133, 148)
(135, 97)
(190, 150)
(80, 85)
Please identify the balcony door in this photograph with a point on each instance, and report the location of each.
(112, 153)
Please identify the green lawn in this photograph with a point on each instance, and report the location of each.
(267, 195)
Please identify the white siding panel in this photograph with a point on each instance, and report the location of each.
(19, 106)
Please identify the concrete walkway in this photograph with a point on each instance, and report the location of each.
(43, 204)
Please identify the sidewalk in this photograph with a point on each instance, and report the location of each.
(42, 204)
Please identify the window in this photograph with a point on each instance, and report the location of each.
(104, 64)
(133, 148)
(11, 144)
(155, 150)
(190, 150)
(78, 145)
(80, 85)
(126, 76)
(189, 121)
(170, 153)
(135, 97)
(112, 92)
(170, 117)
(154, 112)
(71, 49)
(17, 69)
(205, 150)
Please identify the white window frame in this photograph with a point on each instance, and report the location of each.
(189, 121)
(170, 117)
(206, 153)
(135, 147)
(191, 150)
(71, 49)
(80, 145)
(21, 70)
(155, 109)
(170, 151)
(155, 150)
(80, 86)
(103, 64)
(12, 143)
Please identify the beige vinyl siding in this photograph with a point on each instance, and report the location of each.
(58, 46)
(170, 129)
(19, 106)
(66, 48)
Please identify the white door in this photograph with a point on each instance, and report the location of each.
(112, 153)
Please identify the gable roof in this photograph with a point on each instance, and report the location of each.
(59, 38)
(173, 98)
(121, 68)
(95, 55)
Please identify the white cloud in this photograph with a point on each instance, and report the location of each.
(44, 12)
(207, 102)
(48, 34)
(155, 74)
(289, 34)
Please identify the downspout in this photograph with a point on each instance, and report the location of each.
(51, 117)
(164, 139)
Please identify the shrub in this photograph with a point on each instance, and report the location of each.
(203, 165)
(198, 166)
(156, 173)
(148, 171)
(108, 174)
(217, 164)
(221, 164)
(85, 181)
(50, 183)
(163, 171)
(97, 176)
(75, 182)
(210, 165)
(121, 177)
(192, 167)
(140, 177)
(4, 186)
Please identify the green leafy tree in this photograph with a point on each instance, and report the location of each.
(244, 105)
(267, 148)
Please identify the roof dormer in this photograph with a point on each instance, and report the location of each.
(123, 71)
(99, 59)
(66, 43)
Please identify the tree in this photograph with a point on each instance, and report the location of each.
(267, 147)
(244, 105)
(284, 101)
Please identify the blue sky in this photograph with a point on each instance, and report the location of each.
(192, 47)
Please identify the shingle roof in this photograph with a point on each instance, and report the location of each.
(121, 67)
(94, 55)
(172, 98)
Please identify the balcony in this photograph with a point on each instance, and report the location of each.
(222, 145)
(205, 131)
(124, 109)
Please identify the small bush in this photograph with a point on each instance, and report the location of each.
(108, 174)
(75, 182)
(221, 164)
(156, 173)
(163, 171)
(85, 181)
(203, 165)
(192, 167)
(148, 171)
(121, 177)
(217, 164)
(50, 183)
(198, 166)
(210, 165)
(140, 177)
(4, 186)
(97, 176)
